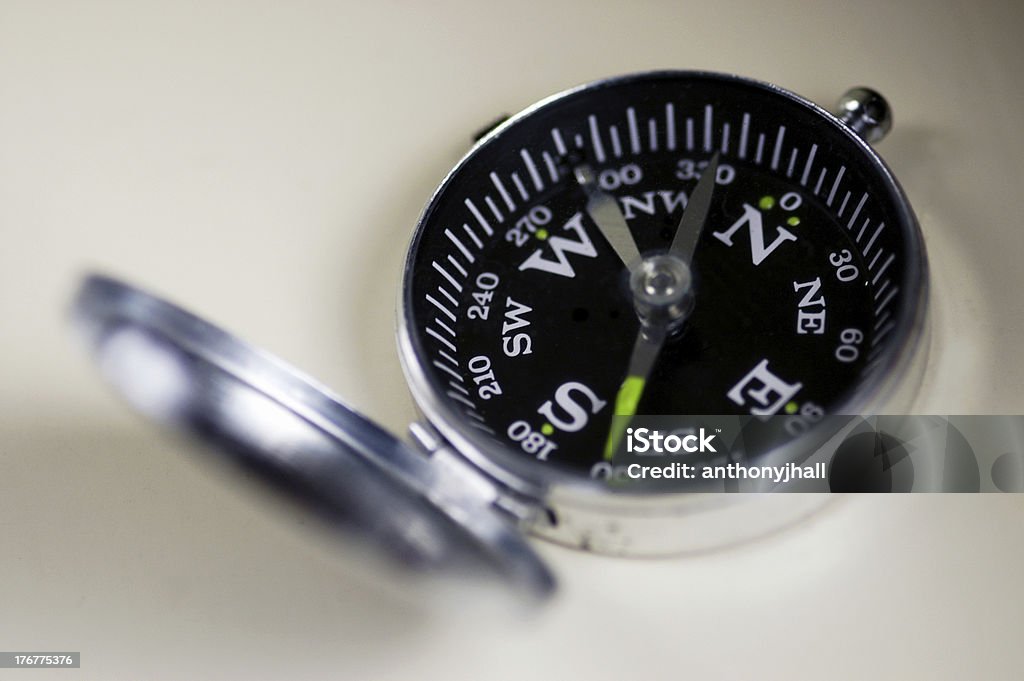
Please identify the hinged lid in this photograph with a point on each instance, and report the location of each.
(271, 419)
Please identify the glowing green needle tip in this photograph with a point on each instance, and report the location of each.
(626, 402)
(629, 395)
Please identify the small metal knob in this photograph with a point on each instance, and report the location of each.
(866, 112)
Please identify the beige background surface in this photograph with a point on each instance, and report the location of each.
(264, 163)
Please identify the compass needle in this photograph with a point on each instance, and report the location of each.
(627, 399)
(662, 298)
(604, 211)
(695, 215)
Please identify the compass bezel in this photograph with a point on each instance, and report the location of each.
(897, 374)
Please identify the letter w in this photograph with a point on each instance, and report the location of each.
(561, 245)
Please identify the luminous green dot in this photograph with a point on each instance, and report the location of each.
(792, 407)
(547, 429)
(793, 221)
(766, 202)
(541, 234)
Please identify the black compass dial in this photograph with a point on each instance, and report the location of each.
(806, 277)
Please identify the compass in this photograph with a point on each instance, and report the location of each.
(653, 244)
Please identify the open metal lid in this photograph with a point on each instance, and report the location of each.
(271, 419)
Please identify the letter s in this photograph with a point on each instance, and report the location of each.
(576, 415)
(519, 344)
